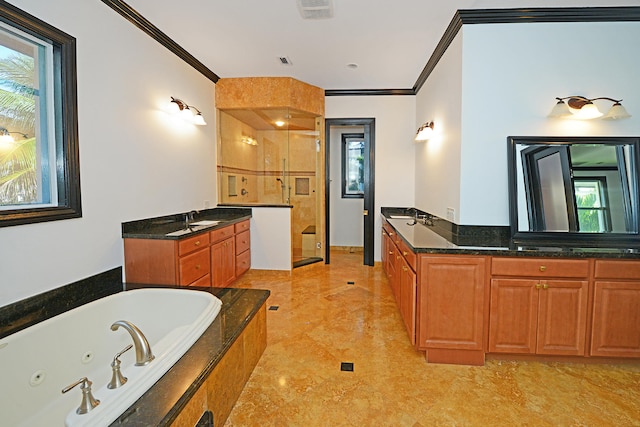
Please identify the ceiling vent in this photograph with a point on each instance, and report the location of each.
(315, 9)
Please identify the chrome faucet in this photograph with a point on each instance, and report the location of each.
(189, 218)
(143, 349)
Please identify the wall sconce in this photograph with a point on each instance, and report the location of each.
(579, 107)
(186, 112)
(424, 132)
(5, 136)
(248, 140)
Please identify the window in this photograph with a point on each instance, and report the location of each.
(39, 171)
(352, 165)
(591, 202)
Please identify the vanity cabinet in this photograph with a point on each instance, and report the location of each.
(400, 267)
(223, 256)
(214, 258)
(615, 330)
(182, 262)
(452, 294)
(407, 302)
(243, 246)
(538, 306)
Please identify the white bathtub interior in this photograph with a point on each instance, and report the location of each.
(41, 360)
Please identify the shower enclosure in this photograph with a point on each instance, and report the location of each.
(274, 157)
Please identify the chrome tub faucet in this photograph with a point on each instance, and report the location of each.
(142, 347)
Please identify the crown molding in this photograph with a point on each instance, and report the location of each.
(530, 15)
(131, 15)
(367, 92)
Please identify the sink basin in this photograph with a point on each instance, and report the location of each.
(205, 222)
(191, 229)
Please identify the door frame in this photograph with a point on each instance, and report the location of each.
(369, 125)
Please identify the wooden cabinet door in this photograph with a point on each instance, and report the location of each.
(393, 275)
(408, 300)
(384, 253)
(562, 317)
(616, 319)
(451, 300)
(223, 256)
(513, 316)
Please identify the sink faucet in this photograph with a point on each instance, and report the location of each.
(189, 218)
(143, 349)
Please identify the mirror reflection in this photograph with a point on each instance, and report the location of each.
(574, 185)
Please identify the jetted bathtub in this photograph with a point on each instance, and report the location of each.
(38, 362)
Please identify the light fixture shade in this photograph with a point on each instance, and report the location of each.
(187, 114)
(173, 107)
(199, 120)
(6, 138)
(587, 112)
(424, 132)
(616, 112)
(560, 110)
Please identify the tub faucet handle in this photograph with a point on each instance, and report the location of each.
(117, 379)
(88, 401)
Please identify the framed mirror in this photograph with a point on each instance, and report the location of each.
(574, 191)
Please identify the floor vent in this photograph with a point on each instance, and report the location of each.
(351, 283)
(315, 9)
(274, 308)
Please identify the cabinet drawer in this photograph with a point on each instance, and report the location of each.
(204, 281)
(241, 226)
(194, 266)
(408, 254)
(193, 243)
(221, 233)
(616, 269)
(243, 263)
(539, 267)
(243, 241)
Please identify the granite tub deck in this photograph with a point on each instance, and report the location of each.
(164, 404)
(160, 227)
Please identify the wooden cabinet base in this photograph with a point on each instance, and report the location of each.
(455, 357)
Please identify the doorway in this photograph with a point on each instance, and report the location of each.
(366, 127)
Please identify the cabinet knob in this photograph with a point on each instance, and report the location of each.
(390, 234)
(538, 285)
(545, 286)
(404, 253)
(404, 268)
(543, 268)
(197, 243)
(390, 252)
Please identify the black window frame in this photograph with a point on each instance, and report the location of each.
(346, 137)
(69, 203)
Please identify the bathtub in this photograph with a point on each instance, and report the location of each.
(38, 362)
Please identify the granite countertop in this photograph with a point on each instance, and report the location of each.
(164, 227)
(423, 239)
(162, 403)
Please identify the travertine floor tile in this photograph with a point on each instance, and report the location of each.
(323, 321)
